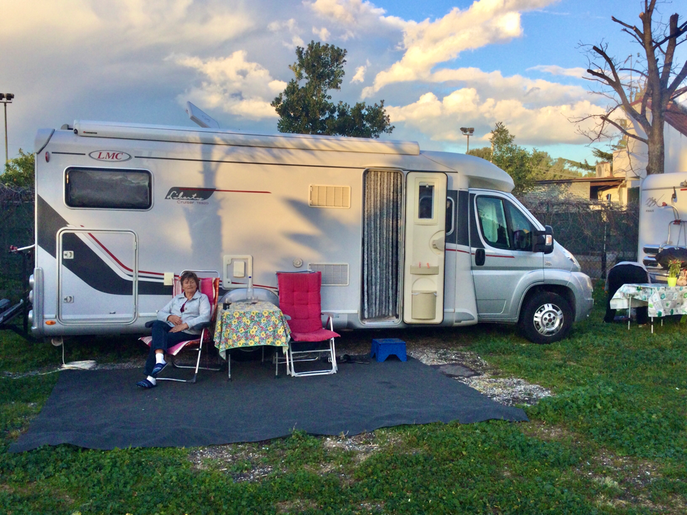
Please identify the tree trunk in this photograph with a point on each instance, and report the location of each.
(656, 161)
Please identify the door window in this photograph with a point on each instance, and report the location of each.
(503, 225)
(521, 228)
(426, 202)
(492, 220)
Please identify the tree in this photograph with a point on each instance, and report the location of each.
(511, 158)
(307, 108)
(527, 167)
(20, 171)
(660, 79)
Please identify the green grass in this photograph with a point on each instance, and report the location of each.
(612, 440)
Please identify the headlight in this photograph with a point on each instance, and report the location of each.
(572, 258)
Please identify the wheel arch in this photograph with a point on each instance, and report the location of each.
(559, 289)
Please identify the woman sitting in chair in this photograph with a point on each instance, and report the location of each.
(176, 323)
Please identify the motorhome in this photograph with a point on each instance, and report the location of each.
(402, 237)
(662, 219)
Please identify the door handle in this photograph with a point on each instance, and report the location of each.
(438, 243)
(480, 257)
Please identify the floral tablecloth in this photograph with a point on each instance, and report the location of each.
(250, 324)
(662, 300)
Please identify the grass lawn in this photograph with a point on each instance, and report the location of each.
(613, 439)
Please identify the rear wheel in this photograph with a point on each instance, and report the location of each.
(546, 318)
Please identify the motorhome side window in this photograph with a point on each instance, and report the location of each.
(426, 202)
(503, 225)
(107, 188)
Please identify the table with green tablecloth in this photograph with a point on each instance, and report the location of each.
(250, 324)
(662, 300)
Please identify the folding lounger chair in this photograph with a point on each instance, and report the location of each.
(299, 299)
(210, 287)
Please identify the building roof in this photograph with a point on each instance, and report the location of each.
(593, 181)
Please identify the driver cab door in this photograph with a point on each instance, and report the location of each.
(503, 234)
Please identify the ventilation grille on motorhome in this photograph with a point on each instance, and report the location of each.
(330, 196)
(332, 274)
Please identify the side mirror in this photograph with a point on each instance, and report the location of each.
(522, 240)
(543, 240)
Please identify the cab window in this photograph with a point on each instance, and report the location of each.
(521, 228)
(503, 225)
(492, 221)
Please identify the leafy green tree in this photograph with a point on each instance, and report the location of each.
(483, 152)
(305, 106)
(511, 158)
(20, 171)
(527, 167)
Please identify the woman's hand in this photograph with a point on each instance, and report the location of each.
(176, 320)
(178, 328)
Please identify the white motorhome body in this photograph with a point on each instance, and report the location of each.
(662, 218)
(402, 237)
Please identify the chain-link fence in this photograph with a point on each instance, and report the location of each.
(16, 228)
(598, 234)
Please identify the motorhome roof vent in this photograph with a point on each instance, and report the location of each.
(333, 274)
(330, 196)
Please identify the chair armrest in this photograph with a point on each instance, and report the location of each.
(198, 327)
(330, 319)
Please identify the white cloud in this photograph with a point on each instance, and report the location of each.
(236, 86)
(289, 26)
(559, 70)
(440, 118)
(355, 16)
(322, 34)
(537, 92)
(359, 75)
(126, 24)
(427, 43)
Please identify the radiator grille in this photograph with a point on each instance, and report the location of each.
(330, 196)
(333, 274)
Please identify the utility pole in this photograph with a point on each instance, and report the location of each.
(467, 131)
(6, 98)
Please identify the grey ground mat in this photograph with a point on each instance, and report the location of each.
(104, 409)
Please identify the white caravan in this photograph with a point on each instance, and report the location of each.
(403, 237)
(662, 218)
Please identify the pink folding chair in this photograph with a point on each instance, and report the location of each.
(299, 299)
(210, 287)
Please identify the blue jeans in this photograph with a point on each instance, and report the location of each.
(163, 339)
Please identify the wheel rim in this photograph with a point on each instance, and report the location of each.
(548, 319)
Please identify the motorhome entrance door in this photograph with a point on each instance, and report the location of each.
(97, 276)
(423, 279)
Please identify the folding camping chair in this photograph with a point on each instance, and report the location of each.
(210, 287)
(299, 299)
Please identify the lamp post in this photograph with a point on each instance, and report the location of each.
(6, 98)
(467, 131)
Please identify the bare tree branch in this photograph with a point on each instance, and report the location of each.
(659, 77)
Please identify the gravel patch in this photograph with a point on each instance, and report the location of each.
(509, 391)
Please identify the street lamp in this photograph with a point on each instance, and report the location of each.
(467, 131)
(6, 98)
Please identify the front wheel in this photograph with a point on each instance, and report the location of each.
(546, 318)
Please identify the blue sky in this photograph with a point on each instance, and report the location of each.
(438, 65)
